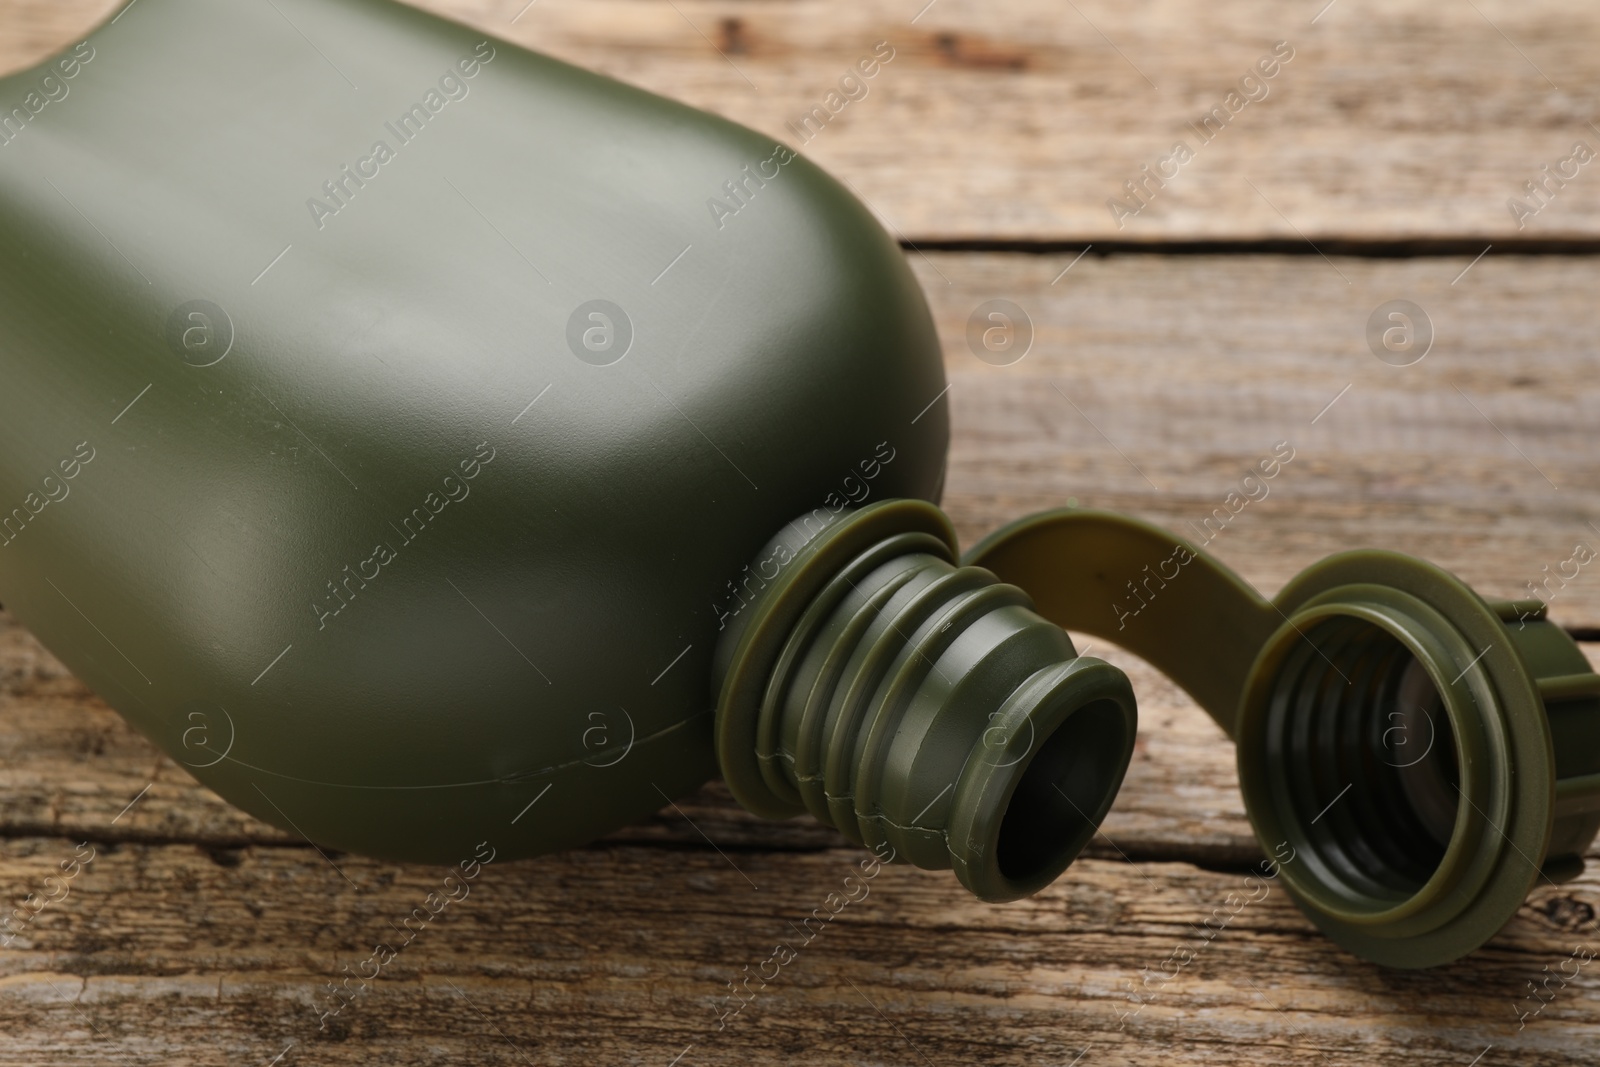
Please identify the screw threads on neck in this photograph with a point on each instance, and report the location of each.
(919, 705)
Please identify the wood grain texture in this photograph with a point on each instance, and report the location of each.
(1019, 119)
(1155, 383)
(623, 954)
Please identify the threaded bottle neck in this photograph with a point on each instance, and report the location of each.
(920, 705)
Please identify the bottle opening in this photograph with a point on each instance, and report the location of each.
(1359, 751)
(1064, 791)
(920, 704)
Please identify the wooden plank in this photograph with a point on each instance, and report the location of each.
(1155, 383)
(1020, 119)
(623, 954)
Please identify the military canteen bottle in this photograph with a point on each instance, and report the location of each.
(424, 441)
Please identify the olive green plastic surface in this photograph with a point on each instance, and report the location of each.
(315, 542)
(921, 707)
(1423, 755)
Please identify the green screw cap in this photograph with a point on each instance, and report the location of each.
(1429, 755)
(917, 704)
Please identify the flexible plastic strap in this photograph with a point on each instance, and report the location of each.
(1140, 587)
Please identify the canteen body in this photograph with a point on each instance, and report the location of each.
(389, 416)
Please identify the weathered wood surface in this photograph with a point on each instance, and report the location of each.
(198, 935)
(1018, 119)
(621, 954)
(1155, 382)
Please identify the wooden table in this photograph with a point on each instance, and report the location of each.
(1173, 346)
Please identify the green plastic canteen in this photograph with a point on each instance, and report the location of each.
(1424, 755)
(426, 442)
